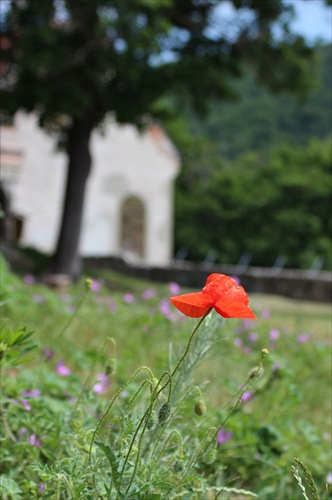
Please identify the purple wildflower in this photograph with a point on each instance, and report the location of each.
(33, 393)
(34, 441)
(247, 395)
(329, 478)
(112, 305)
(25, 404)
(22, 431)
(274, 334)
(265, 314)
(148, 294)
(247, 323)
(102, 385)
(252, 337)
(224, 436)
(165, 309)
(174, 288)
(41, 488)
(48, 353)
(128, 298)
(276, 368)
(95, 286)
(238, 342)
(62, 369)
(302, 338)
(29, 279)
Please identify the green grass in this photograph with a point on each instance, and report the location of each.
(289, 414)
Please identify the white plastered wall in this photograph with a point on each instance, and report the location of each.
(125, 163)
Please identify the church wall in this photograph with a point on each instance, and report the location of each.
(125, 163)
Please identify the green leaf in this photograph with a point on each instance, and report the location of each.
(9, 489)
(114, 463)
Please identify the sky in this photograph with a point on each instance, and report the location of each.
(313, 19)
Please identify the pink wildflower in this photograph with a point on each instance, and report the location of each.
(148, 294)
(128, 298)
(62, 369)
(34, 441)
(252, 337)
(274, 334)
(224, 436)
(238, 342)
(112, 305)
(174, 288)
(302, 338)
(48, 353)
(102, 385)
(25, 404)
(41, 488)
(29, 279)
(32, 393)
(247, 395)
(95, 286)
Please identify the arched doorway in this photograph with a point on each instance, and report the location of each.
(133, 227)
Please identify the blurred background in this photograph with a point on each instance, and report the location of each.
(153, 130)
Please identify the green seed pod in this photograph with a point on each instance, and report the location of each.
(178, 466)
(87, 284)
(151, 421)
(210, 456)
(164, 413)
(253, 373)
(200, 408)
(154, 384)
(110, 367)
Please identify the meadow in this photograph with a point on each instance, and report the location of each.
(87, 410)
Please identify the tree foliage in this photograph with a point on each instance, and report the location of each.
(261, 119)
(74, 61)
(269, 206)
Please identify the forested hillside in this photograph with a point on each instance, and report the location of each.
(256, 176)
(259, 120)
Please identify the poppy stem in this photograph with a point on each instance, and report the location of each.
(189, 343)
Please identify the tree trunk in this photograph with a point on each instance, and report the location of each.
(66, 259)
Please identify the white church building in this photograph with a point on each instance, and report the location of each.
(129, 198)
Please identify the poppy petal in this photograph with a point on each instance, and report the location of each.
(194, 305)
(212, 277)
(224, 287)
(229, 308)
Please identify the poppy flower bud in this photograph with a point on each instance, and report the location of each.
(164, 413)
(200, 408)
(178, 466)
(110, 367)
(210, 456)
(256, 371)
(88, 283)
(151, 420)
(154, 386)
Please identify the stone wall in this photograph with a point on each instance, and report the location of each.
(294, 283)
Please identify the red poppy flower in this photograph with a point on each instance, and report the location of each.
(220, 292)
